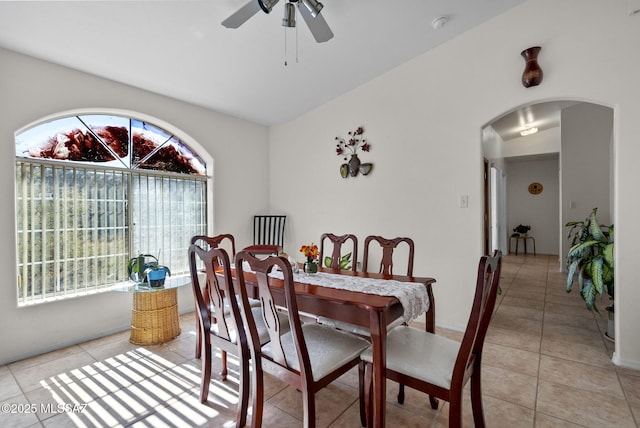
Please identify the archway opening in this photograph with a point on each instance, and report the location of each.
(551, 162)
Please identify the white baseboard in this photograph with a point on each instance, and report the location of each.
(634, 365)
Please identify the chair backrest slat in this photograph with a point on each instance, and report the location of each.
(336, 253)
(214, 289)
(262, 268)
(270, 316)
(388, 246)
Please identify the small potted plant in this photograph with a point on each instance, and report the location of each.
(590, 258)
(146, 269)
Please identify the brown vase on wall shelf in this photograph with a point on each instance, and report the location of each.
(532, 75)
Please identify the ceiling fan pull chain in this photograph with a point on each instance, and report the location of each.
(297, 50)
(285, 46)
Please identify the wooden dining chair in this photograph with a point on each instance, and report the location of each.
(388, 246)
(226, 240)
(336, 255)
(439, 366)
(308, 356)
(225, 333)
(268, 234)
(386, 267)
(336, 252)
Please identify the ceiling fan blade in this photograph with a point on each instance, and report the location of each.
(318, 26)
(242, 15)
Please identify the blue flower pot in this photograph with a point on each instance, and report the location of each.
(156, 277)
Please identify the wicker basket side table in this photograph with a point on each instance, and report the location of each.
(154, 318)
(154, 315)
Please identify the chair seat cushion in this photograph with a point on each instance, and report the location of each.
(328, 348)
(420, 354)
(263, 249)
(353, 328)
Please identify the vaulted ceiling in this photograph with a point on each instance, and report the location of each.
(256, 72)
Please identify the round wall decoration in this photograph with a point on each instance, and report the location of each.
(535, 188)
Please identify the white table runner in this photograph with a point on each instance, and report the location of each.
(412, 295)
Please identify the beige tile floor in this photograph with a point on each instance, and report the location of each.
(546, 364)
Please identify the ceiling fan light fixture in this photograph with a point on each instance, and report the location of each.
(289, 19)
(267, 5)
(313, 6)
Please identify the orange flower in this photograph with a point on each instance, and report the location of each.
(310, 250)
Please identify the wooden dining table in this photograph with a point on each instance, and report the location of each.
(373, 311)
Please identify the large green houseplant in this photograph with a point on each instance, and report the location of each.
(590, 258)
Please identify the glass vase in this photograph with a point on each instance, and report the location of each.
(310, 266)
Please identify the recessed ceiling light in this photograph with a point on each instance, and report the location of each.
(528, 131)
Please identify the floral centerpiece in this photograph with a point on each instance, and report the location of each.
(349, 147)
(311, 252)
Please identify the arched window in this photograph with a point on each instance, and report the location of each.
(94, 190)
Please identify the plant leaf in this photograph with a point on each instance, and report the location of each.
(579, 250)
(594, 227)
(572, 270)
(589, 295)
(344, 261)
(594, 270)
(607, 253)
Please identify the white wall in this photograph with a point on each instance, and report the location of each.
(492, 150)
(586, 141)
(31, 89)
(546, 141)
(538, 211)
(424, 122)
(493, 147)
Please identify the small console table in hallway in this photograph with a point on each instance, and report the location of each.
(524, 237)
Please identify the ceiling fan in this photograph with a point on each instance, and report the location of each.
(309, 9)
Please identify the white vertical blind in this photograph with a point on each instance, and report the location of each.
(78, 225)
